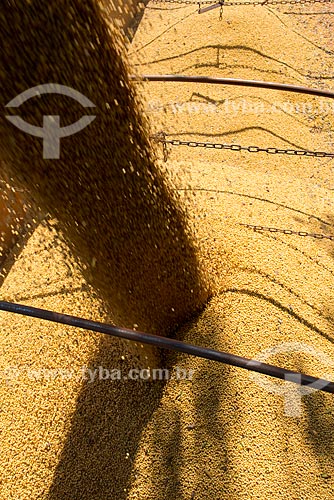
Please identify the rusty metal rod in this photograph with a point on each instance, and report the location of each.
(234, 81)
(210, 7)
(171, 344)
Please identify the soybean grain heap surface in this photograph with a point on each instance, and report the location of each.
(219, 435)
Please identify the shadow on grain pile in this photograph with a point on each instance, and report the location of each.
(97, 459)
(115, 210)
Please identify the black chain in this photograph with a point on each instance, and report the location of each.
(247, 2)
(289, 231)
(237, 147)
